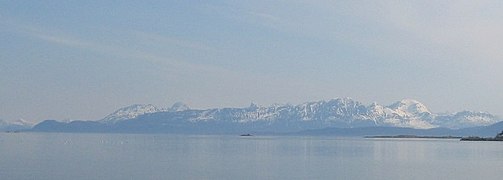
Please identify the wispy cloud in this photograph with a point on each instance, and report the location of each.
(453, 28)
(65, 41)
(172, 65)
(161, 39)
(264, 16)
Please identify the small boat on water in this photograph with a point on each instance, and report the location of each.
(246, 135)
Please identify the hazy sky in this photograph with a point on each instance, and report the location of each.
(84, 59)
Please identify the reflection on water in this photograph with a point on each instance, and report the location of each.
(133, 156)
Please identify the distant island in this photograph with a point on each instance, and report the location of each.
(498, 137)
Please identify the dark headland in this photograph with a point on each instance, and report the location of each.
(498, 137)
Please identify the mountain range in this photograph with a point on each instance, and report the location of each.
(334, 113)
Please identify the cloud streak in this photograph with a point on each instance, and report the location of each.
(169, 64)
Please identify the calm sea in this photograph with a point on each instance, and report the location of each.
(131, 156)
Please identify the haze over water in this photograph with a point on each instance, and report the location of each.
(135, 156)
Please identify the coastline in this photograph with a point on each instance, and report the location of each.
(415, 136)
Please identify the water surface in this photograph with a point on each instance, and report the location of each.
(138, 156)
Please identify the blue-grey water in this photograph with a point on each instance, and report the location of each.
(137, 156)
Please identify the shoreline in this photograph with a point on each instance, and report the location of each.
(415, 136)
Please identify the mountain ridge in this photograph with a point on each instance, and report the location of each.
(405, 113)
(333, 113)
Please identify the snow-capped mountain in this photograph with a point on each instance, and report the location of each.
(19, 124)
(334, 113)
(465, 119)
(135, 110)
(409, 107)
(130, 112)
(404, 113)
(340, 112)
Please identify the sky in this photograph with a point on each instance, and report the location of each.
(75, 59)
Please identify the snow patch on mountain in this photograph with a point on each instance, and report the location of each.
(130, 112)
(404, 113)
(465, 119)
(19, 124)
(409, 108)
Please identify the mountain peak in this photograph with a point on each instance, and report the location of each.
(343, 99)
(410, 106)
(253, 106)
(179, 106)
